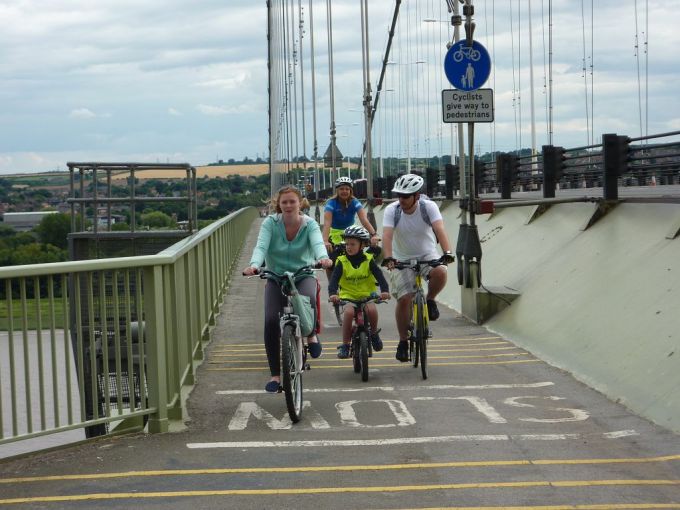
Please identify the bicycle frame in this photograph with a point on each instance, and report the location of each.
(293, 349)
(360, 347)
(420, 318)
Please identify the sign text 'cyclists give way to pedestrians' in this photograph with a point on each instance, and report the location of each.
(467, 67)
(460, 106)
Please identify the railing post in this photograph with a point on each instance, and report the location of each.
(156, 365)
(553, 166)
(615, 157)
(507, 167)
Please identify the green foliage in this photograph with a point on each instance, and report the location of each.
(120, 227)
(6, 231)
(158, 219)
(54, 229)
(32, 253)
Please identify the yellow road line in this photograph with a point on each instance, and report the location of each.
(258, 343)
(340, 490)
(433, 348)
(342, 468)
(467, 356)
(602, 506)
(374, 365)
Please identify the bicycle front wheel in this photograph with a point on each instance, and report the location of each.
(421, 333)
(291, 371)
(338, 313)
(363, 347)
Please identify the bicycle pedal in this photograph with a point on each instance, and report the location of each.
(307, 367)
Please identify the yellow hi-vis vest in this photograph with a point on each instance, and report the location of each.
(356, 283)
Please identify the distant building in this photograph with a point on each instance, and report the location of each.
(24, 221)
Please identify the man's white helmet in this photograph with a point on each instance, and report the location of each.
(408, 184)
(344, 181)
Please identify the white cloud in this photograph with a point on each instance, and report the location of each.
(174, 112)
(82, 113)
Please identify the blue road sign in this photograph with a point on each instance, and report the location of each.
(467, 67)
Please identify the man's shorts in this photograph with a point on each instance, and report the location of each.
(403, 281)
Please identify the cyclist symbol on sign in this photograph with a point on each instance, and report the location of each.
(468, 52)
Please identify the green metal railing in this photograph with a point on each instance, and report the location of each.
(140, 365)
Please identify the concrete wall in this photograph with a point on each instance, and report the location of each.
(602, 303)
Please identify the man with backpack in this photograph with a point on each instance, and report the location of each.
(412, 226)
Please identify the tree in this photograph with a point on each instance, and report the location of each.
(157, 219)
(54, 229)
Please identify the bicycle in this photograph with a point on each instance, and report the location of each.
(419, 329)
(293, 349)
(360, 347)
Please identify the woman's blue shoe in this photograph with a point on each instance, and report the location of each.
(314, 349)
(272, 387)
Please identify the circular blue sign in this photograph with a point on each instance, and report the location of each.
(467, 67)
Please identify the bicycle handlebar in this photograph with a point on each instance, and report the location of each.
(373, 299)
(265, 273)
(445, 259)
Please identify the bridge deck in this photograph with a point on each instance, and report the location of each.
(492, 427)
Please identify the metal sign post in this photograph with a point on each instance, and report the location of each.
(467, 66)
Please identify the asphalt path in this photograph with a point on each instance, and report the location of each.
(492, 427)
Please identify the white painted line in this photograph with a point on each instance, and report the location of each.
(401, 441)
(401, 388)
(620, 433)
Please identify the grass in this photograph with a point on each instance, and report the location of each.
(31, 315)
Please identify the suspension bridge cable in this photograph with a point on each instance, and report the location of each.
(592, 71)
(583, 68)
(514, 81)
(545, 70)
(302, 86)
(637, 61)
(550, 74)
(315, 147)
(329, 24)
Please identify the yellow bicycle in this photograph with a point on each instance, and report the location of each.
(419, 329)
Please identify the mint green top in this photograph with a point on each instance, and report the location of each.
(279, 254)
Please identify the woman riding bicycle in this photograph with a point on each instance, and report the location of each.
(339, 213)
(357, 274)
(288, 240)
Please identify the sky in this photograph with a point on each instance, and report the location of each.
(178, 81)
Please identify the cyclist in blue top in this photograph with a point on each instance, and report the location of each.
(340, 212)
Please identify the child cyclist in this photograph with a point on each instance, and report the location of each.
(356, 275)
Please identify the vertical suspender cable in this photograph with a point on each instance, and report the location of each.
(294, 85)
(545, 69)
(302, 89)
(315, 148)
(329, 23)
(514, 81)
(592, 72)
(550, 74)
(585, 74)
(646, 68)
(531, 86)
(637, 61)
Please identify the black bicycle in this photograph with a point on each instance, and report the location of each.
(361, 348)
(293, 348)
